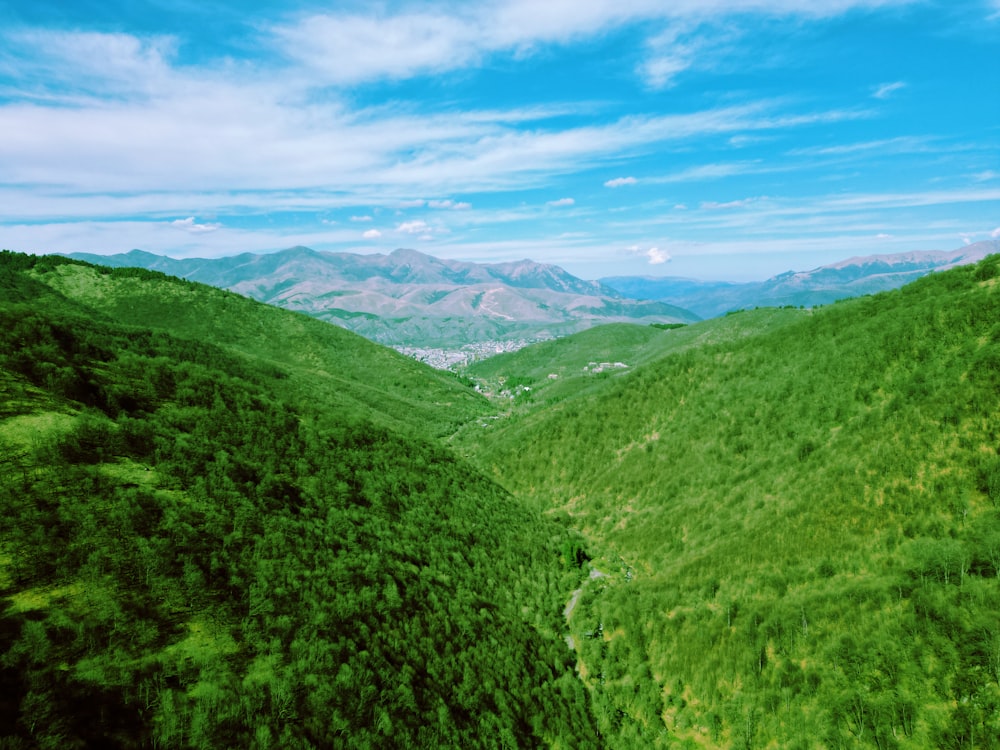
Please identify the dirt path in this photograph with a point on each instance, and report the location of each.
(575, 599)
(486, 305)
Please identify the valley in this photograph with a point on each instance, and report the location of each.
(231, 524)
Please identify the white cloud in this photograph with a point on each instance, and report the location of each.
(417, 226)
(742, 141)
(96, 60)
(361, 218)
(986, 175)
(561, 202)
(995, 234)
(371, 234)
(660, 71)
(885, 90)
(883, 236)
(742, 203)
(620, 182)
(193, 227)
(163, 129)
(449, 204)
(655, 255)
(349, 49)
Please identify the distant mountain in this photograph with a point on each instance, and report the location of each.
(409, 298)
(849, 278)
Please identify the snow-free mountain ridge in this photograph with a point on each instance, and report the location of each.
(852, 277)
(408, 298)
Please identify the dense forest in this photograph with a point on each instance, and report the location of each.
(228, 525)
(799, 528)
(195, 553)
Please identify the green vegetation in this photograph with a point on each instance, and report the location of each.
(230, 525)
(322, 363)
(197, 552)
(800, 526)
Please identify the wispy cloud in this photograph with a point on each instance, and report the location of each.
(726, 205)
(165, 140)
(450, 205)
(351, 48)
(885, 90)
(348, 48)
(898, 145)
(713, 172)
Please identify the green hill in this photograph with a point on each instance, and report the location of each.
(321, 362)
(553, 370)
(799, 527)
(230, 525)
(213, 536)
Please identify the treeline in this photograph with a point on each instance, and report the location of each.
(809, 519)
(190, 558)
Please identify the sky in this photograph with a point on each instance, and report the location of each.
(712, 139)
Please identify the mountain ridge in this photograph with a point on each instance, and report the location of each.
(852, 277)
(408, 297)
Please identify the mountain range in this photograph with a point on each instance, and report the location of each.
(409, 298)
(853, 277)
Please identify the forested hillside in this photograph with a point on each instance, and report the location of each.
(228, 525)
(798, 529)
(210, 539)
(322, 363)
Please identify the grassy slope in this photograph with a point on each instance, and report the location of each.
(801, 525)
(323, 362)
(571, 358)
(194, 554)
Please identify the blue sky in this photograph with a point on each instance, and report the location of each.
(716, 139)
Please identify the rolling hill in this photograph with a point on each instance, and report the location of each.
(853, 277)
(226, 524)
(229, 525)
(407, 298)
(795, 532)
